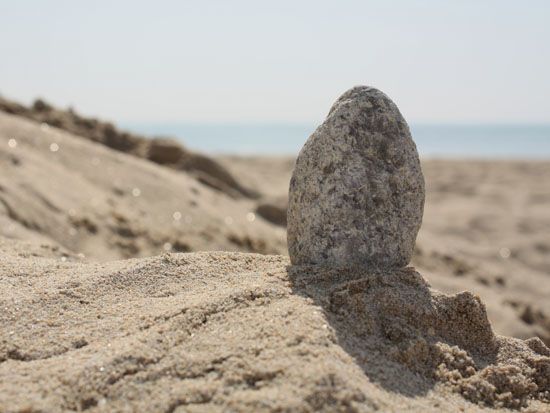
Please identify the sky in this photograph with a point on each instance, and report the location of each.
(441, 61)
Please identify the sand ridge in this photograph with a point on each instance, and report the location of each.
(485, 230)
(104, 204)
(227, 331)
(241, 332)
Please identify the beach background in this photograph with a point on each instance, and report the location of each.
(146, 151)
(498, 141)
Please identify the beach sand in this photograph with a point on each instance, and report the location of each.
(485, 230)
(82, 329)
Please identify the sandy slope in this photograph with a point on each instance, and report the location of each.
(486, 229)
(106, 204)
(241, 332)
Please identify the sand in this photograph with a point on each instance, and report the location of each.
(243, 332)
(167, 331)
(485, 230)
(106, 205)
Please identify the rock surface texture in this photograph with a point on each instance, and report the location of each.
(357, 191)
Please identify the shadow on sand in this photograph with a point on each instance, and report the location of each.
(403, 335)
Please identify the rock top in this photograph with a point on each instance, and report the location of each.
(357, 191)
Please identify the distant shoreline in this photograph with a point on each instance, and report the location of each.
(448, 141)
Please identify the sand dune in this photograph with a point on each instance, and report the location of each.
(485, 230)
(161, 150)
(106, 204)
(219, 331)
(229, 331)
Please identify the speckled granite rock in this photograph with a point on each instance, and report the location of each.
(357, 191)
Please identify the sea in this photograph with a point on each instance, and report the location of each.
(504, 141)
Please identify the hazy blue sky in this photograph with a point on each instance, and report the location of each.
(472, 61)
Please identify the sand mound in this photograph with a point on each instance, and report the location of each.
(166, 152)
(82, 198)
(445, 339)
(485, 230)
(241, 332)
(231, 331)
(58, 188)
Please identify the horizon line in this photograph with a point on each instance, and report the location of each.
(309, 123)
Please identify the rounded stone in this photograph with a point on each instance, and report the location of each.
(357, 191)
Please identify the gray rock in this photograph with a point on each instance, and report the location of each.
(357, 191)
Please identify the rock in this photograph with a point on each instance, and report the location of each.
(164, 151)
(273, 210)
(357, 192)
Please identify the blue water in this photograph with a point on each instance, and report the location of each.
(433, 140)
